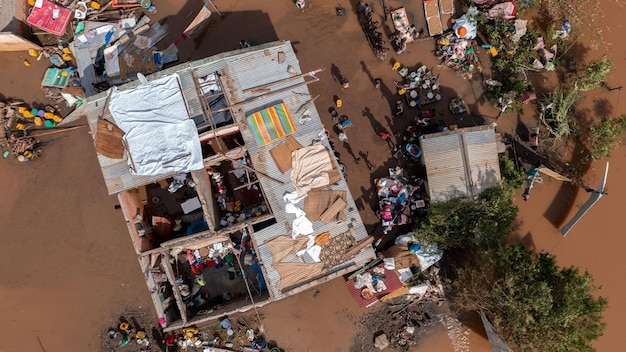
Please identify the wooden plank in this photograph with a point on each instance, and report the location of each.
(354, 250)
(109, 140)
(169, 272)
(306, 74)
(329, 214)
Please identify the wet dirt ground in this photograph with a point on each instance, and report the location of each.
(68, 267)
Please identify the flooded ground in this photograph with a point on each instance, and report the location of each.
(68, 267)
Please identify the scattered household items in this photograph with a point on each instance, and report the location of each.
(419, 87)
(504, 10)
(458, 54)
(404, 31)
(457, 106)
(368, 287)
(398, 198)
(466, 26)
(374, 37)
(20, 126)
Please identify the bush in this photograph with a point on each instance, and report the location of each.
(594, 74)
(461, 222)
(605, 136)
(557, 117)
(511, 174)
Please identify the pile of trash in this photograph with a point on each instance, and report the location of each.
(400, 321)
(95, 46)
(18, 120)
(229, 335)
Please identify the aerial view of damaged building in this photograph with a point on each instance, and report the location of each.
(227, 183)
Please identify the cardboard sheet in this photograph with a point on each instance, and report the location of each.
(318, 201)
(282, 153)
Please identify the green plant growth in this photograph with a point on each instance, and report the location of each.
(511, 174)
(460, 222)
(512, 58)
(513, 86)
(592, 76)
(534, 304)
(556, 108)
(604, 136)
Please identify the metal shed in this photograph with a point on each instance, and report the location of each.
(461, 162)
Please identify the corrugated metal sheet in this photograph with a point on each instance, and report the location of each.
(482, 154)
(243, 69)
(255, 69)
(461, 162)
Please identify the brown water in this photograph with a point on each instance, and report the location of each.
(68, 268)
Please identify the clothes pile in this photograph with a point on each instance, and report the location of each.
(398, 198)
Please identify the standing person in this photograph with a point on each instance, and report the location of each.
(399, 107)
(345, 83)
(401, 44)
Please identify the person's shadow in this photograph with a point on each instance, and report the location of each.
(336, 73)
(376, 126)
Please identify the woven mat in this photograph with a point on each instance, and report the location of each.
(282, 153)
(317, 201)
(271, 124)
(391, 281)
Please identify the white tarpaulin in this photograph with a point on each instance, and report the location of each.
(159, 135)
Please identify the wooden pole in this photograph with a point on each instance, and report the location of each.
(264, 175)
(234, 106)
(215, 7)
(309, 102)
(264, 86)
(67, 129)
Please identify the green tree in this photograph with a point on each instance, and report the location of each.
(535, 305)
(594, 74)
(512, 175)
(605, 136)
(461, 222)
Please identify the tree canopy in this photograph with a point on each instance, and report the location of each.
(461, 222)
(534, 304)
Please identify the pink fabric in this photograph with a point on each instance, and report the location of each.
(505, 10)
(42, 18)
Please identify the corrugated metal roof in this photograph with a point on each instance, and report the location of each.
(460, 163)
(243, 69)
(248, 71)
